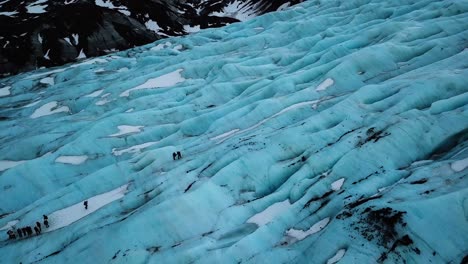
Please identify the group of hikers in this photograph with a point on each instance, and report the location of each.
(28, 231)
(176, 155)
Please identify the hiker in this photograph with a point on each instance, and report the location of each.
(20, 234)
(174, 155)
(179, 156)
(85, 205)
(36, 230)
(39, 226)
(30, 232)
(25, 231)
(46, 223)
(11, 234)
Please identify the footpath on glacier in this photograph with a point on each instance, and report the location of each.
(332, 131)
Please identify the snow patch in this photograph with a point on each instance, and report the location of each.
(166, 80)
(337, 257)
(125, 130)
(190, 29)
(49, 109)
(324, 85)
(74, 160)
(5, 91)
(95, 94)
(71, 214)
(9, 225)
(459, 165)
(283, 6)
(81, 55)
(336, 185)
(300, 234)
(152, 25)
(133, 149)
(47, 80)
(7, 164)
(269, 213)
(46, 56)
(10, 14)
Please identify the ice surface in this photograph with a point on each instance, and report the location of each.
(328, 131)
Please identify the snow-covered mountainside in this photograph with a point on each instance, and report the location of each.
(333, 131)
(37, 33)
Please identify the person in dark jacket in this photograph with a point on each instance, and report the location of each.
(30, 231)
(39, 226)
(11, 234)
(36, 230)
(46, 223)
(179, 156)
(85, 205)
(20, 233)
(174, 155)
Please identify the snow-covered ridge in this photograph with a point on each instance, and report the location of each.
(331, 132)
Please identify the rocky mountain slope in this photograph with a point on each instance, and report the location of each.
(36, 33)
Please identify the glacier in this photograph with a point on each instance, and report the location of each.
(329, 132)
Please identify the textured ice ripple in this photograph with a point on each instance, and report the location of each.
(337, 132)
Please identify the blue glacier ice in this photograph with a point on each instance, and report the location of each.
(332, 131)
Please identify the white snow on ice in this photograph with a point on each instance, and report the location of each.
(5, 91)
(459, 165)
(74, 160)
(71, 214)
(95, 94)
(336, 185)
(166, 80)
(324, 85)
(49, 109)
(7, 164)
(133, 149)
(337, 257)
(270, 213)
(47, 80)
(9, 225)
(300, 234)
(125, 130)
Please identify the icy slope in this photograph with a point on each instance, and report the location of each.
(332, 131)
